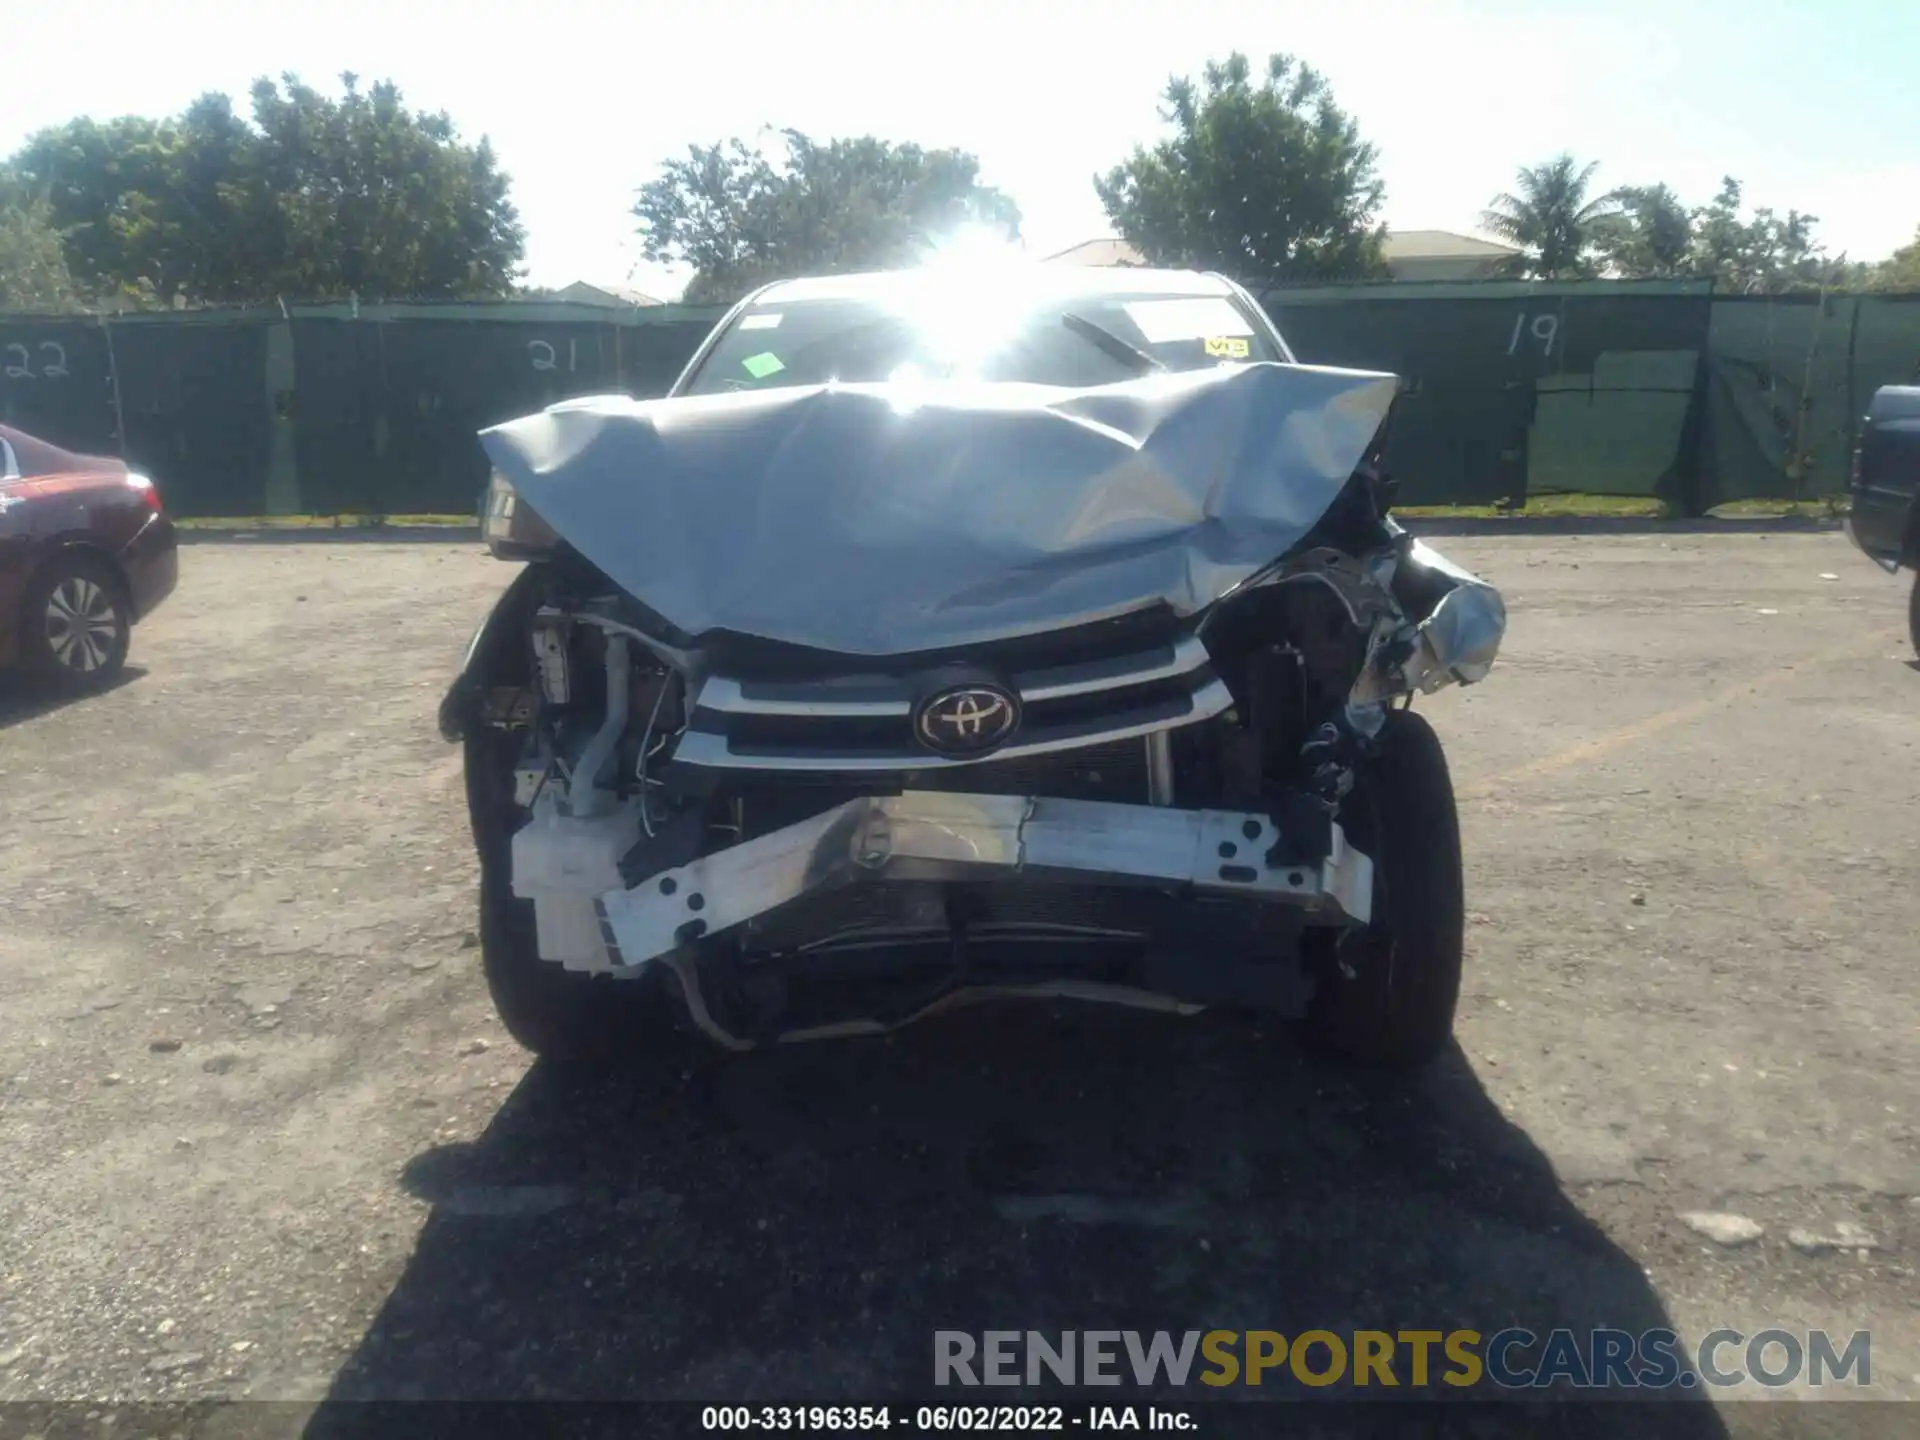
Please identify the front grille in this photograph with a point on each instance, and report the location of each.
(1115, 771)
(751, 659)
(854, 723)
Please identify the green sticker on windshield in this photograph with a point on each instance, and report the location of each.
(762, 365)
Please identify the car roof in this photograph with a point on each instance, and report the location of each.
(1049, 281)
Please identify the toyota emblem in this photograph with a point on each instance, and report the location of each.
(967, 719)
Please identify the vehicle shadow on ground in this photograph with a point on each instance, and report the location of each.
(21, 700)
(797, 1223)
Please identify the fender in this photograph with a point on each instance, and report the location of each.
(1884, 521)
(495, 642)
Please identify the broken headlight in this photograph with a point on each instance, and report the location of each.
(511, 528)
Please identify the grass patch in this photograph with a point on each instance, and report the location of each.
(1634, 507)
(1831, 507)
(1582, 506)
(318, 522)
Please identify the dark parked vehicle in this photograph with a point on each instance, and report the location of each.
(935, 639)
(1885, 516)
(85, 552)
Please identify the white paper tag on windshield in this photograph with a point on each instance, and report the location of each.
(1192, 318)
(761, 322)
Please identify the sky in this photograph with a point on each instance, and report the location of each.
(1813, 104)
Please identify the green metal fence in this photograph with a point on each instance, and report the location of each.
(1517, 389)
(342, 409)
(1512, 390)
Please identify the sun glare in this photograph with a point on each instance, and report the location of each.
(969, 295)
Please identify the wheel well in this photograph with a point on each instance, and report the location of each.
(68, 550)
(1910, 546)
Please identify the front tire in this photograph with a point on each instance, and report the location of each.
(1913, 614)
(591, 1022)
(1385, 995)
(76, 624)
(560, 1015)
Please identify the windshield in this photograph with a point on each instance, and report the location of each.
(1077, 341)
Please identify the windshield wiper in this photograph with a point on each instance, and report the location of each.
(1121, 350)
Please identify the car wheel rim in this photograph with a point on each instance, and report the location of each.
(82, 625)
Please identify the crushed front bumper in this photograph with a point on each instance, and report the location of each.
(934, 835)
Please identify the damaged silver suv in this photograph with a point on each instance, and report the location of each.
(944, 637)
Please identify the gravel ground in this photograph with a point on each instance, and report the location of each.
(263, 1138)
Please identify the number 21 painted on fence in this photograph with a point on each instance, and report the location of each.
(1543, 329)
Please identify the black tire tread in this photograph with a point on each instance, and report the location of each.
(1397, 1011)
(36, 658)
(579, 1022)
(591, 1022)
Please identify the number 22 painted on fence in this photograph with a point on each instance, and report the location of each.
(1543, 329)
(53, 362)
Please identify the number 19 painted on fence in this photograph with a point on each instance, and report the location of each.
(1543, 329)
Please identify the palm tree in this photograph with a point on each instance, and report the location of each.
(1551, 218)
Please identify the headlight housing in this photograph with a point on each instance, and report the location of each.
(511, 528)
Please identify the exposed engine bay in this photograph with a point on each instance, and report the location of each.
(663, 811)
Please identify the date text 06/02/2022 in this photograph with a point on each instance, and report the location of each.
(928, 1419)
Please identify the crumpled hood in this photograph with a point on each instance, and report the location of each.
(886, 519)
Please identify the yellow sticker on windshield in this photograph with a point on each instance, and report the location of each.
(1228, 347)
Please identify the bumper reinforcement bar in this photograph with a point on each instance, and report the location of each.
(938, 835)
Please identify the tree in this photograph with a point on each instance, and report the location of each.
(1766, 254)
(1784, 254)
(1550, 217)
(1266, 180)
(33, 262)
(100, 181)
(1650, 237)
(316, 198)
(1901, 270)
(1720, 240)
(363, 196)
(737, 220)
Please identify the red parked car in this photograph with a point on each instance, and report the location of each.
(85, 552)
